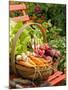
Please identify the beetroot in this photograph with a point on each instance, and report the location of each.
(48, 58)
(52, 52)
(57, 54)
(46, 50)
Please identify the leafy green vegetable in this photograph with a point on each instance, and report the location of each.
(24, 42)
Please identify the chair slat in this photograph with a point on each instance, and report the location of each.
(58, 79)
(54, 75)
(21, 18)
(17, 7)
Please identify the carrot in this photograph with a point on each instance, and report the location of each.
(43, 60)
(31, 62)
(21, 62)
(37, 60)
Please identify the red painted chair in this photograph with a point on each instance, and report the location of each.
(21, 7)
(56, 78)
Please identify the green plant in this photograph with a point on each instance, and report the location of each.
(56, 41)
(24, 42)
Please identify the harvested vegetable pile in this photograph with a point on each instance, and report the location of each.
(34, 67)
(31, 40)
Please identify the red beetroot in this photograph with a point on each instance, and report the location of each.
(57, 53)
(46, 50)
(52, 52)
(48, 58)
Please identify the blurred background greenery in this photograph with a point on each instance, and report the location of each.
(55, 12)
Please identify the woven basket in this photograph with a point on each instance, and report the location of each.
(25, 71)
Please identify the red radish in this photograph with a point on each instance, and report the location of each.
(41, 52)
(36, 51)
(42, 47)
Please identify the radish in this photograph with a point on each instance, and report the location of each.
(42, 47)
(41, 52)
